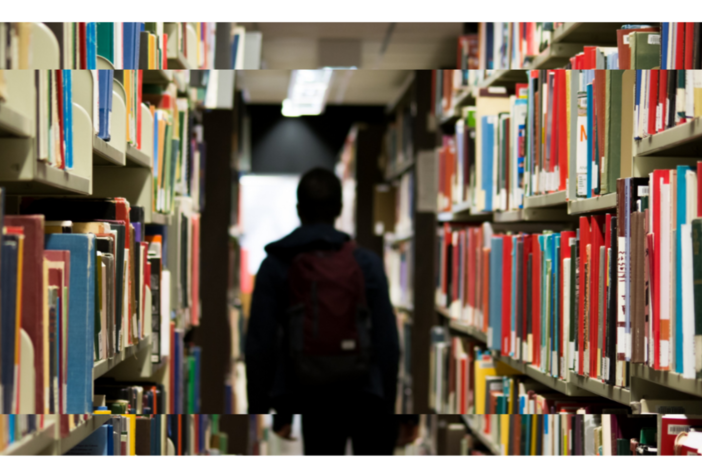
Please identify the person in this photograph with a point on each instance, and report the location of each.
(293, 364)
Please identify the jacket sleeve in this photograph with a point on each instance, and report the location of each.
(261, 339)
(385, 336)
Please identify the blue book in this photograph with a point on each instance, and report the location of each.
(555, 288)
(590, 117)
(8, 318)
(545, 304)
(110, 439)
(12, 427)
(96, 444)
(138, 28)
(68, 117)
(105, 84)
(91, 46)
(235, 50)
(680, 219)
(128, 47)
(81, 317)
(488, 139)
(664, 46)
(197, 353)
(495, 320)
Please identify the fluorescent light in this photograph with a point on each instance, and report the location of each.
(307, 92)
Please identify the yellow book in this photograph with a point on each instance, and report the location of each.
(18, 319)
(504, 432)
(484, 369)
(533, 434)
(152, 52)
(132, 434)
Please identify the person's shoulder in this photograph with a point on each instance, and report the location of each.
(368, 260)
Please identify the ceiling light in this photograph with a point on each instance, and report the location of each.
(307, 92)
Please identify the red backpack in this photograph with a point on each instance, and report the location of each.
(328, 320)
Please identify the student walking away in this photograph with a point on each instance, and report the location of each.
(369, 434)
(322, 336)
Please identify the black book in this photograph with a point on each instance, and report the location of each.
(611, 344)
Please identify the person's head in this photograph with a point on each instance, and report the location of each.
(319, 197)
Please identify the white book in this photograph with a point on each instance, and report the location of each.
(688, 302)
(567, 352)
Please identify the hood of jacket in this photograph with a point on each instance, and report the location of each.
(306, 238)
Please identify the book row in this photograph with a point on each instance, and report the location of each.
(599, 435)
(581, 46)
(116, 435)
(575, 132)
(87, 280)
(126, 46)
(618, 289)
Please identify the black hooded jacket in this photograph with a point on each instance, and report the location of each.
(269, 376)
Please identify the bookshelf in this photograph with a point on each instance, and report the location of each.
(480, 435)
(107, 154)
(587, 33)
(667, 148)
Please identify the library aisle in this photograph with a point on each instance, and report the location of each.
(537, 215)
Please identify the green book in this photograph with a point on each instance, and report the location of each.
(105, 41)
(645, 50)
(623, 447)
(192, 376)
(697, 277)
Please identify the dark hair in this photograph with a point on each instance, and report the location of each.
(319, 196)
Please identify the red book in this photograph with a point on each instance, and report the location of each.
(83, 45)
(454, 265)
(32, 296)
(566, 236)
(444, 262)
(506, 293)
(536, 298)
(195, 308)
(689, 45)
(560, 129)
(164, 52)
(652, 101)
(519, 87)
(63, 256)
(470, 265)
(662, 111)
(680, 46)
(660, 176)
(584, 242)
(671, 426)
(590, 58)
(485, 293)
(699, 190)
(525, 292)
(59, 98)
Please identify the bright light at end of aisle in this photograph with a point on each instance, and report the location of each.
(307, 92)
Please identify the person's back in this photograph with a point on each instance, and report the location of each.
(304, 353)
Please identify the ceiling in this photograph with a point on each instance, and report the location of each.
(348, 87)
(288, 46)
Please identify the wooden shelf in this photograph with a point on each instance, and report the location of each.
(38, 443)
(136, 157)
(102, 367)
(590, 205)
(533, 215)
(483, 438)
(618, 394)
(106, 154)
(600, 34)
(468, 330)
(555, 56)
(48, 180)
(179, 62)
(682, 140)
(549, 199)
(159, 77)
(506, 78)
(667, 379)
(13, 124)
(462, 212)
(568, 388)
